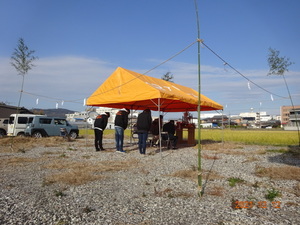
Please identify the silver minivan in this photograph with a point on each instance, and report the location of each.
(17, 124)
(44, 126)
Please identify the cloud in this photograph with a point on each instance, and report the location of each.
(73, 78)
(53, 79)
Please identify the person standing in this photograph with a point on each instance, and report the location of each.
(99, 126)
(121, 123)
(170, 128)
(144, 122)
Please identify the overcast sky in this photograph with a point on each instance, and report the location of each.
(80, 43)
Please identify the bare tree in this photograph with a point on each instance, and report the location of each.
(22, 60)
(168, 77)
(278, 66)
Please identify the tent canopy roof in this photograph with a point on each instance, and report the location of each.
(128, 89)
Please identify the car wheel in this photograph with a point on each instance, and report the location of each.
(73, 135)
(37, 134)
(2, 133)
(21, 134)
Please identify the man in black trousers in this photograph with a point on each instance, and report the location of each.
(99, 126)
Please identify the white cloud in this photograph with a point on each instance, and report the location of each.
(53, 79)
(68, 78)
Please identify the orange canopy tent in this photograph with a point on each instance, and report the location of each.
(128, 89)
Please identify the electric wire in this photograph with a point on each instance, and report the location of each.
(226, 63)
(148, 70)
(167, 60)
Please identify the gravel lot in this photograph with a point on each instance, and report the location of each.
(59, 182)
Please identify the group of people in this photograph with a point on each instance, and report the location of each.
(144, 126)
(121, 123)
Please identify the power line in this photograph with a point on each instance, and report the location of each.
(226, 63)
(178, 53)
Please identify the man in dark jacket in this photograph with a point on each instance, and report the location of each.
(170, 128)
(121, 123)
(99, 126)
(144, 122)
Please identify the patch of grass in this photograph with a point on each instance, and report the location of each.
(282, 150)
(17, 161)
(78, 173)
(186, 174)
(251, 137)
(168, 192)
(192, 174)
(212, 157)
(216, 191)
(234, 180)
(212, 138)
(72, 177)
(220, 146)
(251, 159)
(272, 194)
(23, 144)
(283, 172)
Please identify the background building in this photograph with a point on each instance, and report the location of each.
(290, 116)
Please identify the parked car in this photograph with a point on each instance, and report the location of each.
(18, 122)
(43, 126)
(3, 126)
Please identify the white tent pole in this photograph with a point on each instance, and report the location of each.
(159, 126)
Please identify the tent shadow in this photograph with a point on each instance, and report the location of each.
(290, 157)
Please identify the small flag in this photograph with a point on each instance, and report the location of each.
(249, 86)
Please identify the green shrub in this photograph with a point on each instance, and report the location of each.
(272, 194)
(233, 181)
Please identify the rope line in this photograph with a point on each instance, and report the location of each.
(226, 63)
(167, 60)
(171, 57)
(148, 70)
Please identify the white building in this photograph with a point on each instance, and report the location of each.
(90, 116)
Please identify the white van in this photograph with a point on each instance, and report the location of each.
(18, 122)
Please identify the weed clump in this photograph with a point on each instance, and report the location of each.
(233, 181)
(272, 194)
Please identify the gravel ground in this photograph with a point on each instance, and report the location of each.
(70, 183)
